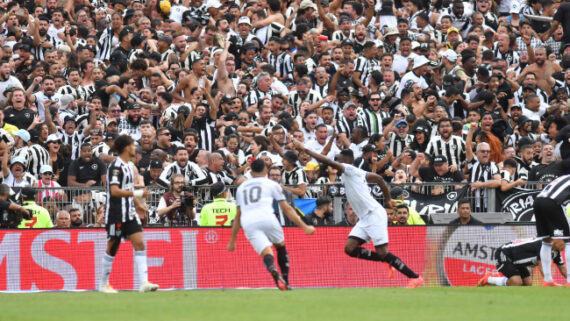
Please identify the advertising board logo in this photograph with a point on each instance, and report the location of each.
(470, 252)
(211, 237)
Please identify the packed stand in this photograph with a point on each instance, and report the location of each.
(416, 91)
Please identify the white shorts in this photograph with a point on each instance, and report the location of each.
(373, 226)
(263, 234)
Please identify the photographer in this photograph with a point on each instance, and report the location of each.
(11, 212)
(176, 207)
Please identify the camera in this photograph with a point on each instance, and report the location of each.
(11, 219)
(186, 198)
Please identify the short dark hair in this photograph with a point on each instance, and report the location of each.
(258, 165)
(403, 206)
(510, 162)
(122, 142)
(463, 201)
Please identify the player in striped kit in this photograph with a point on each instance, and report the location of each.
(121, 218)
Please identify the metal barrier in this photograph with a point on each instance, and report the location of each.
(89, 201)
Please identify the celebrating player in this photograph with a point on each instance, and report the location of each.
(372, 218)
(513, 260)
(254, 199)
(552, 223)
(121, 218)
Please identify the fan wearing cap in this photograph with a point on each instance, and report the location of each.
(438, 172)
(46, 181)
(416, 75)
(398, 195)
(397, 136)
(345, 30)
(372, 223)
(220, 212)
(449, 61)
(40, 216)
(101, 149)
(369, 160)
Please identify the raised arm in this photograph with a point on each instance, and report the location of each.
(320, 158)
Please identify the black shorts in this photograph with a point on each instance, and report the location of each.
(551, 221)
(506, 266)
(122, 230)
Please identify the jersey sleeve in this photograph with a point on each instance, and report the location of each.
(277, 193)
(115, 176)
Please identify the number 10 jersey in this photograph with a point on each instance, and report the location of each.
(255, 200)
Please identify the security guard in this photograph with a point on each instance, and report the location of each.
(220, 212)
(40, 216)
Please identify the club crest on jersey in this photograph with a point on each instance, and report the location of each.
(94, 166)
(557, 232)
(116, 172)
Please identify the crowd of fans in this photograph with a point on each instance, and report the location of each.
(416, 91)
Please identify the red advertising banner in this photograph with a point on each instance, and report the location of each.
(40, 260)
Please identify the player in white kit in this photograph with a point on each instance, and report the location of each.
(372, 219)
(254, 199)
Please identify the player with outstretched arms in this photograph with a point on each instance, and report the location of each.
(372, 218)
(121, 218)
(254, 200)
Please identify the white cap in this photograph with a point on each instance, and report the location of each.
(415, 45)
(46, 169)
(379, 43)
(244, 19)
(23, 134)
(213, 4)
(52, 138)
(515, 7)
(420, 61)
(307, 4)
(450, 55)
(18, 159)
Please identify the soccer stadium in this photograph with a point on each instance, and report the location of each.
(284, 159)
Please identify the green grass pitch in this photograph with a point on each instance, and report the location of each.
(490, 303)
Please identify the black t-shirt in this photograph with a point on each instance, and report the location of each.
(547, 173)
(472, 221)
(313, 219)
(428, 174)
(84, 172)
(19, 118)
(562, 15)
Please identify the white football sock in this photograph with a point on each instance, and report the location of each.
(546, 261)
(107, 265)
(140, 259)
(567, 260)
(497, 280)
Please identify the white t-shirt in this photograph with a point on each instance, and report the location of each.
(316, 147)
(255, 198)
(410, 76)
(362, 202)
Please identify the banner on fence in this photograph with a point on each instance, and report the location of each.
(426, 205)
(519, 202)
(184, 258)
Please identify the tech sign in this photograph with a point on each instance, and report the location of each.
(470, 252)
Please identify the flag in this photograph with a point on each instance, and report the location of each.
(305, 206)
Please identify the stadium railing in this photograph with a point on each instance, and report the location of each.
(89, 200)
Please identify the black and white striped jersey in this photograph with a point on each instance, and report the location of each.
(74, 140)
(105, 44)
(397, 144)
(558, 190)
(340, 36)
(453, 150)
(363, 65)
(6, 137)
(322, 90)
(165, 56)
(345, 125)
(120, 209)
(523, 169)
(372, 120)
(85, 92)
(35, 156)
(206, 129)
(515, 137)
(69, 90)
(191, 172)
(527, 252)
(256, 95)
(211, 178)
(39, 51)
(282, 64)
(295, 100)
(101, 148)
(126, 127)
(481, 173)
(295, 177)
(511, 57)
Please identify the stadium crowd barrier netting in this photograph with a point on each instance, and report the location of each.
(196, 258)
